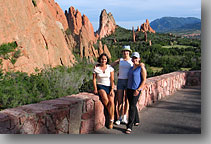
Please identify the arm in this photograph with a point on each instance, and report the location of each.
(144, 78)
(94, 84)
(116, 62)
(112, 82)
(142, 65)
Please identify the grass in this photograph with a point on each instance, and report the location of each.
(177, 46)
(156, 69)
(185, 69)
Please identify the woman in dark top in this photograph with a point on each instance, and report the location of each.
(136, 81)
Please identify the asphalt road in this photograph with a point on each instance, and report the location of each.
(176, 114)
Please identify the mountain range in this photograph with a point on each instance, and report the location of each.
(176, 24)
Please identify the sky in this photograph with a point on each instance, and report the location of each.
(129, 13)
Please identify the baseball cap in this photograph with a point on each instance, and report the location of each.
(135, 54)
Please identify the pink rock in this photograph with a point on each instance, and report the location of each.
(107, 24)
(39, 33)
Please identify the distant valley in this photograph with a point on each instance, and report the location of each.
(177, 25)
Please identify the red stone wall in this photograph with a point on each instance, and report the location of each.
(84, 113)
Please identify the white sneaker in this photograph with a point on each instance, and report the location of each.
(117, 122)
(124, 121)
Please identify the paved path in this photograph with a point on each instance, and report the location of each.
(176, 114)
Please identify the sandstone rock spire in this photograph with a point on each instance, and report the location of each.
(107, 24)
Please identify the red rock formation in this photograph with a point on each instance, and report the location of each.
(37, 31)
(57, 12)
(134, 35)
(74, 20)
(84, 35)
(138, 28)
(100, 48)
(107, 24)
(106, 51)
(145, 27)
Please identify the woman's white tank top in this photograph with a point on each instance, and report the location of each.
(124, 67)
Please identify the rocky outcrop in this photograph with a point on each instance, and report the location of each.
(107, 24)
(134, 35)
(74, 20)
(145, 27)
(38, 30)
(104, 49)
(57, 13)
(138, 28)
(83, 33)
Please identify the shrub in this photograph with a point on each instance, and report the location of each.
(17, 88)
(7, 48)
(68, 32)
(34, 3)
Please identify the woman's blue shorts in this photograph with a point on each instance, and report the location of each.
(106, 88)
(122, 84)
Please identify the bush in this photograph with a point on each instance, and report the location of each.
(17, 88)
(8, 51)
(7, 48)
(34, 3)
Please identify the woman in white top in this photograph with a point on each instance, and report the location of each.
(125, 64)
(103, 82)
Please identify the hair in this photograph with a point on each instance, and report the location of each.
(103, 54)
(126, 50)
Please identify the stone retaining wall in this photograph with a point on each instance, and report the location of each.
(84, 112)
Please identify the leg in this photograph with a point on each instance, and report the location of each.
(110, 106)
(119, 102)
(136, 120)
(126, 106)
(108, 102)
(133, 112)
(104, 97)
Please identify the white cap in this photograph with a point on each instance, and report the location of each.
(135, 54)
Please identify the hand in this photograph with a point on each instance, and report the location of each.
(136, 92)
(111, 92)
(95, 91)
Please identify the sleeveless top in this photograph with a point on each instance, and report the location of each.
(124, 67)
(134, 78)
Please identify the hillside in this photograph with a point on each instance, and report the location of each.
(176, 25)
(167, 51)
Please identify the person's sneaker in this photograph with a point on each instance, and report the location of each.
(117, 122)
(124, 121)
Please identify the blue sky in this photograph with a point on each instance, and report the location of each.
(128, 13)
